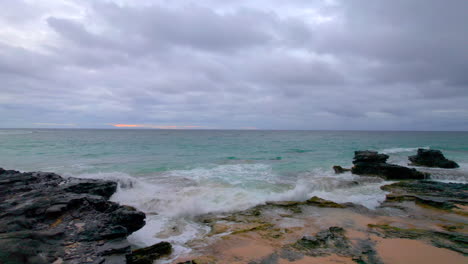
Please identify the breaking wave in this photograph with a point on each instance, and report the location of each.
(172, 199)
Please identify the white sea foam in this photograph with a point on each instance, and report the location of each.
(459, 175)
(400, 150)
(173, 198)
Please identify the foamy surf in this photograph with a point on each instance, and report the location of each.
(401, 150)
(171, 200)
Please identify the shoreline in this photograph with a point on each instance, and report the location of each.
(431, 225)
(49, 219)
(291, 232)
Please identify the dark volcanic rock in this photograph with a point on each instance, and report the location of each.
(339, 169)
(432, 158)
(46, 218)
(96, 187)
(367, 156)
(388, 171)
(372, 163)
(148, 254)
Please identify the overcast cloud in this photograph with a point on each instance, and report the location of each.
(297, 64)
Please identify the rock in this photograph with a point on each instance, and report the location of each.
(371, 163)
(114, 247)
(432, 158)
(319, 202)
(388, 171)
(368, 156)
(128, 217)
(149, 254)
(325, 242)
(450, 240)
(339, 169)
(45, 218)
(440, 195)
(102, 188)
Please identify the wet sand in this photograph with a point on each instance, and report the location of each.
(403, 251)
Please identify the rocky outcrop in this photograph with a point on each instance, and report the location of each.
(445, 196)
(432, 158)
(339, 169)
(45, 218)
(334, 241)
(371, 163)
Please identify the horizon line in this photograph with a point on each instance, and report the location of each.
(229, 129)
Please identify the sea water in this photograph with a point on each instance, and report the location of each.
(176, 175)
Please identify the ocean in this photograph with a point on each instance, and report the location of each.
(175, 175)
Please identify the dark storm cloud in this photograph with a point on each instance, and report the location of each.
(270, 64)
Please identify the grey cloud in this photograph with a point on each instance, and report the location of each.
(377, 65)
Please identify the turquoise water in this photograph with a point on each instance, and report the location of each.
(175, 175)
(145, 152)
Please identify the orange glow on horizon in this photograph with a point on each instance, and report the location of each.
(124, 125)
(155, 126)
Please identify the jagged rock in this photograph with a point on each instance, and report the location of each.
(147, 255)
(339, 169)
(96, 187)
(45, 218)
(371, 163)
(440, 195)
(432, 158)
(325, 242)
(369, 156)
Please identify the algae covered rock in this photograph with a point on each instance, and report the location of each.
(319, 202)
(149, 254)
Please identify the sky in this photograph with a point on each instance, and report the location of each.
(219, 64)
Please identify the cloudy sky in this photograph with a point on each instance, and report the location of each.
(267, 64)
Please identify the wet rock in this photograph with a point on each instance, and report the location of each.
(432, 158)
(117, 247)
(333, 241)
(45, 218)
(319, 202)
(454, 241)
(430, 188)
(326, 242)
(96, 187)
(371, 163)
(339, 169)
(368, 156)
(440, 195)
(149, 254)
(127, 217)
